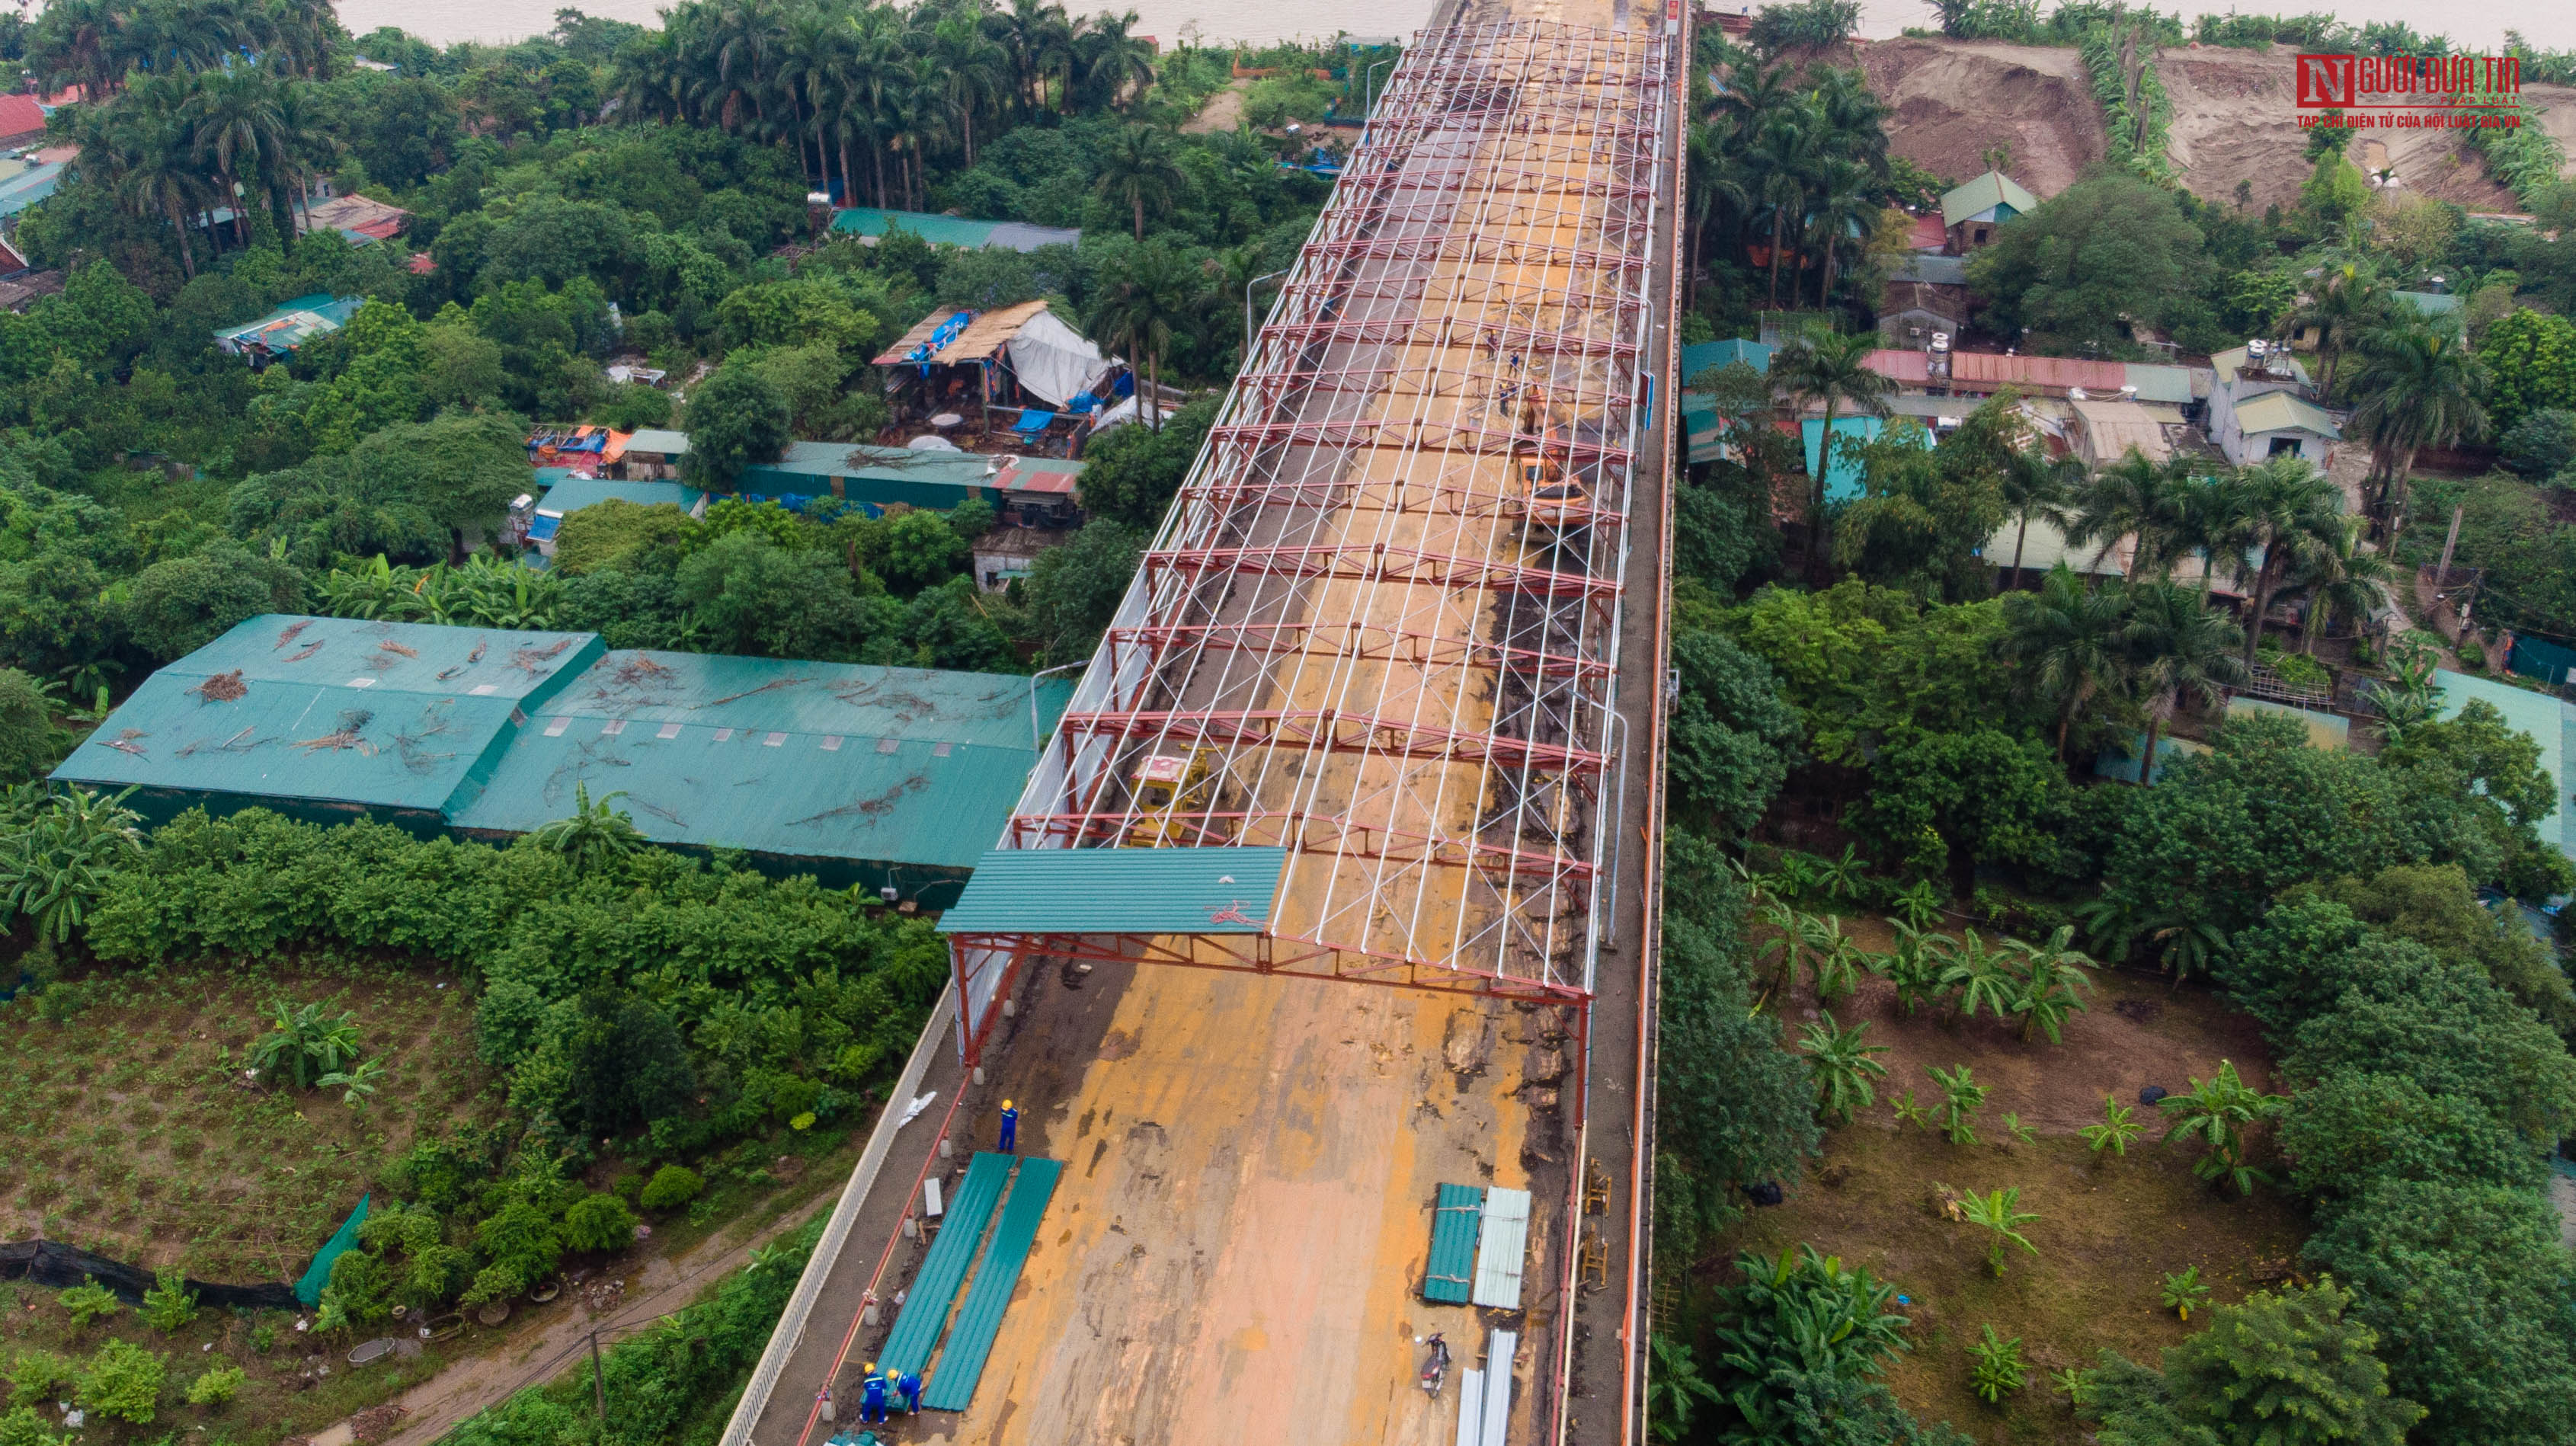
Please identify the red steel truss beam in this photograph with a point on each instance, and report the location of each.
(1468, 249)
(1414, 433)
(1268, 954)
(1381, 563)
(1498, 181)
(1364, 642)
(1402, 495)
(1310, 833)
(1335, 731)
(1449, 331)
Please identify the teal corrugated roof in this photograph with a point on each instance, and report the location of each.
(2281, 412)
(375, 714)
(943, 1270)
(1457, 1218)
(1708, 355)
(1119, 891)
(2428, 303)
(938, 230)
(2159, 383)
(28, 187)
(997, 1278)
(794, 759)
(572, 494)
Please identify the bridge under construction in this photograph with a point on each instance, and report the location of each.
(1379, 708)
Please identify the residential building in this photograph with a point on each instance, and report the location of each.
(1971, 213)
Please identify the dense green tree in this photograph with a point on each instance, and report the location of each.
(2530, 357)
(181, 605)
(1073, 591)
(30, 744)
(2354, 1129)
(2108, 252)
(1831, 370)
(2467, 1287)
(1732, 739)
(737, 418)
(1132, 473)
(2285, 1368)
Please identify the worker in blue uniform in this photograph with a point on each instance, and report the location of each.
(872, 1400)
(1010, 1143)
(910, 1389)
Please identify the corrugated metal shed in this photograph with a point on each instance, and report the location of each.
(1455, 1216)
(953, 230)
(2159, 383)
(1501, 1243)
(356, 716)
(1120, 891)
(867, 775)
(819, 764)
(575, 493)
(2035, 373)
(876, 476)
(1901, 366)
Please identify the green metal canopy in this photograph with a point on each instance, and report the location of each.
(1119, 891)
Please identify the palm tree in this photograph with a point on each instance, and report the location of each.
(156, 176)
(2135, 497)
(2037, 485)
(2285, 512)
(1715, 177)
(1146, 298)
(2342, 577)
(2175, 643)
(2419, 387)
(1842, 1065)
(1039, 41)
(970, 69)
(304, 144)
(235, 122)
(2065, 641)
(1826, 367)
(1786, 152)
(1136, 168)
(2347, 301)
(1115, 67)
(1845, 199)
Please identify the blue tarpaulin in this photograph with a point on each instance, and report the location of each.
(1032, 421)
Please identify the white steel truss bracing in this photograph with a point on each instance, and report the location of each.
(1392, 664)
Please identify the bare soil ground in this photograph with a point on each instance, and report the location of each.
(2233, 120)
(132, 1133)
(2110, 1229)
(1955, 99)
(1223, 111)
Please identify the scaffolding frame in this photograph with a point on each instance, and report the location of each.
(1391, 667)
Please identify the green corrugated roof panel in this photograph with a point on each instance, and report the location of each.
(1455, 1222)
(938, 230)
(385, 715)
(575, 493)
(798, 760)
(961, 1234)
(1119, 891)
(979, 1320)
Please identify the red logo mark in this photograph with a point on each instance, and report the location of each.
(1230, 914)
(2326, 80)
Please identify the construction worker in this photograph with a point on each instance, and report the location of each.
(910, 1389)
(1010, 1142)
(872, 1400)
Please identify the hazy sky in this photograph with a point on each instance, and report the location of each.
(2474, 24)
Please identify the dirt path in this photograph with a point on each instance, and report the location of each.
(532, 1357)
(1223, 111)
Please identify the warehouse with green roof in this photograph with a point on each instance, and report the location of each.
(878, 777)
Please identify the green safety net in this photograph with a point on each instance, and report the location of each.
(342, 1241)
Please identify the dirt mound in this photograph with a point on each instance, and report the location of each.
(1955, 99)
(2234, 119)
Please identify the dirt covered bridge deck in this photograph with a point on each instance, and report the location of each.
(1384, 667)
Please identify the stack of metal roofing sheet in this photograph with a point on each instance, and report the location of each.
(925, 1310)
(1454, 1224)
(979, 1320)
(1501, 1244)
(1485, 1396)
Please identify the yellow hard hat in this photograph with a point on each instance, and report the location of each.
(889, 1373)
(1006, 1104)
(872, 1368)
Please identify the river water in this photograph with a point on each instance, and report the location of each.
(2478, 25)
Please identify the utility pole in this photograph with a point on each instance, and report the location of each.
(2443, 578)
(598, 1383)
